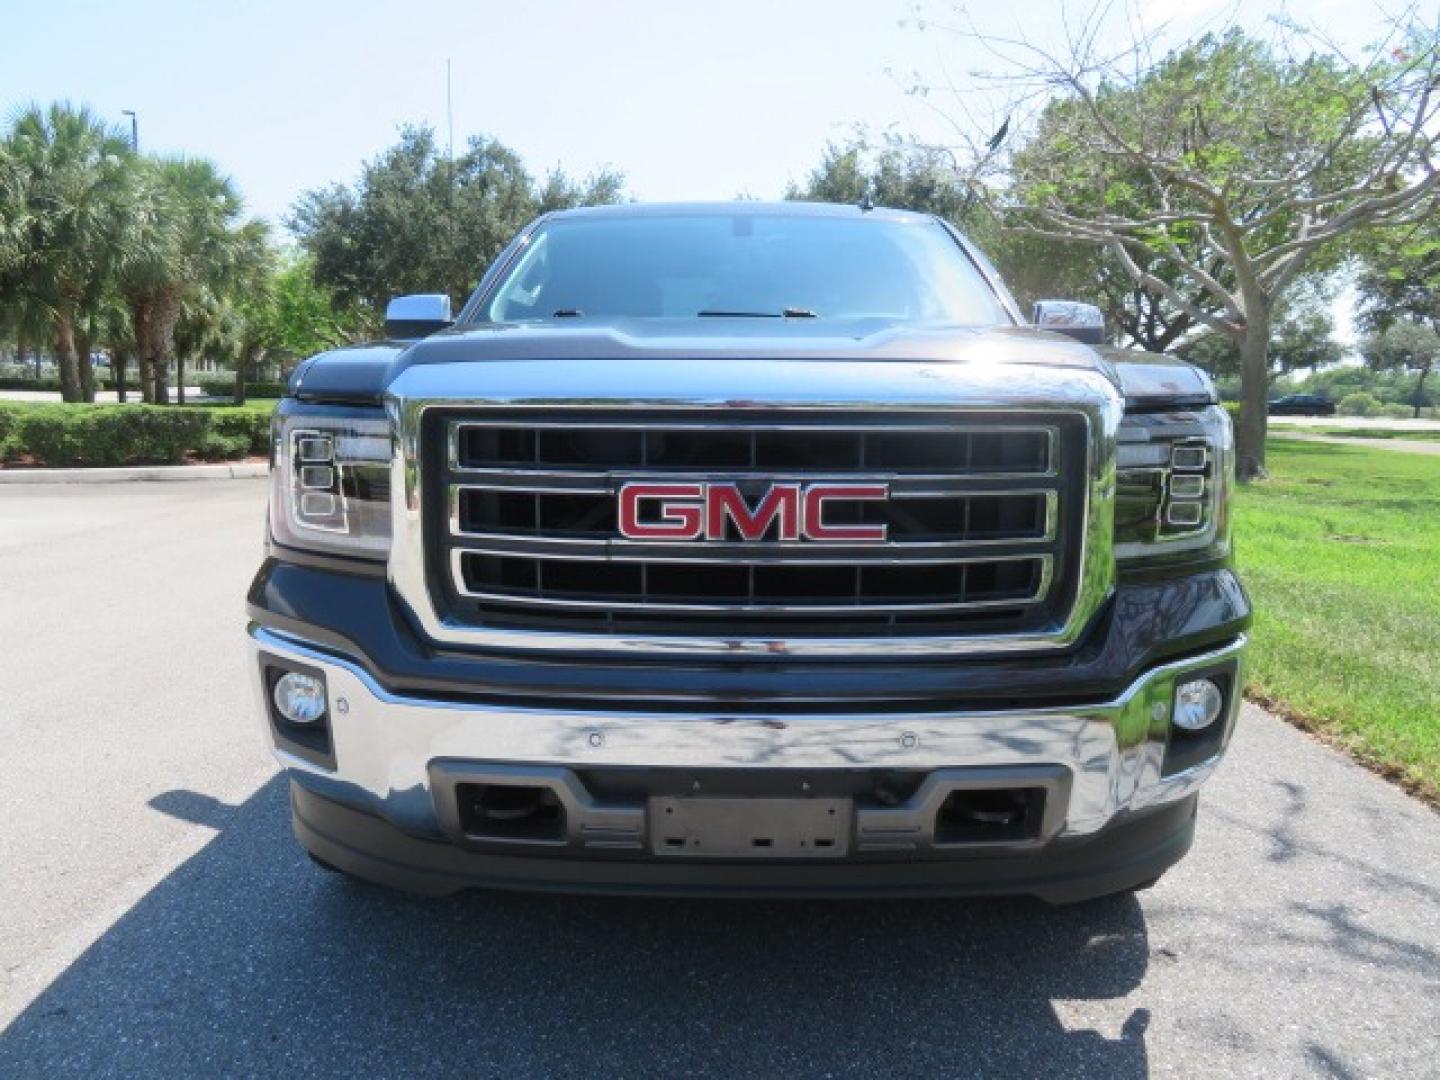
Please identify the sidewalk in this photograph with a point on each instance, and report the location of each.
(1412, 446)
(102, 397)
(236, 470)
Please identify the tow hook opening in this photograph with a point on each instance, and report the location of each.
(990, 814)
(521, 812)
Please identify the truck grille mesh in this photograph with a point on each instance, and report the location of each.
(982, 522)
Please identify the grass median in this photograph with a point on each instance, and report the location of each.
(1340, 550)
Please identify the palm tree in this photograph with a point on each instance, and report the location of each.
(66, 179)
(109, 326)
(255, 329)
(188, 241)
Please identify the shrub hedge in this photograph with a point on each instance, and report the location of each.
(108, 435)
(226, 388)
(1360, 404)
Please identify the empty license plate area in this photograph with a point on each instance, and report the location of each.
(750, 828)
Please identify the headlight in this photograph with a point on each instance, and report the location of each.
(1173, 475)
(330, 481)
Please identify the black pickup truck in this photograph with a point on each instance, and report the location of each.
(748, 549)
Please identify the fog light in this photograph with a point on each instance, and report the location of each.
(300, 698)
(1197, 704)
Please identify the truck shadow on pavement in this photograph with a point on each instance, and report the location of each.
(246, 959)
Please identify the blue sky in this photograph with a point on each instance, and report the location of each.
(691, 99)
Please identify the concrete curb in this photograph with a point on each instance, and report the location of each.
(238, 471)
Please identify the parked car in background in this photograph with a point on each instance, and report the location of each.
(1302, 405)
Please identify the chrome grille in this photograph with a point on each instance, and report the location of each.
(979, 519)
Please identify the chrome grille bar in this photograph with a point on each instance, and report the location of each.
(530, 504)
(527, 448)
(1044, 569)
(1043, 532)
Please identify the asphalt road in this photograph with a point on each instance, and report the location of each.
(157, 918)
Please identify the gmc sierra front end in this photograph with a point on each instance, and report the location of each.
(748, 549)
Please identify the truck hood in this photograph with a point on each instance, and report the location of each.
(745, 338)
(715, 352)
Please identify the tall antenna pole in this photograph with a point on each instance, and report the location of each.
(449, 113)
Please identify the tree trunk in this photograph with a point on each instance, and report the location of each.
(85, 365)
(65, 358)
(162, 328)
(147, 377)
(144, 349)
(1254, 397)
(247, 362)
(1420, 390)
(161, 365)
(119, 369)
(180, 378)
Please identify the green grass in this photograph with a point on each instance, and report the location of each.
(1340, 550)
(265, 405)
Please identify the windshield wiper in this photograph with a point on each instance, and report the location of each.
(567, 313)
(788, 313)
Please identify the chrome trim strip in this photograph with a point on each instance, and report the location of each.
(745, 558)
(661, 607)
(610, 483)
(457, 427)
(725, 425)
(728, 390)
(501, 477)
(856, 550)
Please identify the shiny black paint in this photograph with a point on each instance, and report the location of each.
(1143, 624)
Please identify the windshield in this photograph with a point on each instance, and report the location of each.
(744, 265)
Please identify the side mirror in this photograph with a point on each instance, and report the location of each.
(411, 317)
(1083, 322)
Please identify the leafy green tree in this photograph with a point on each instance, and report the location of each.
(418, 222)
(284, 314)
(65, 176)
(1237, 164)
(924, 180)
(305, 317)
(1302, 339)
(1405, 346)
(1399, 292)
(1399, 275)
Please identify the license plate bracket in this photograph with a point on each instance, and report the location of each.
(750, 828)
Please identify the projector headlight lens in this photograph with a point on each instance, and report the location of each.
(1172, 485)
(330, 480)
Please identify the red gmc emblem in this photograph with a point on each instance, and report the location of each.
(695, 511)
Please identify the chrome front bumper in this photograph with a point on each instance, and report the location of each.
(384, 744)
